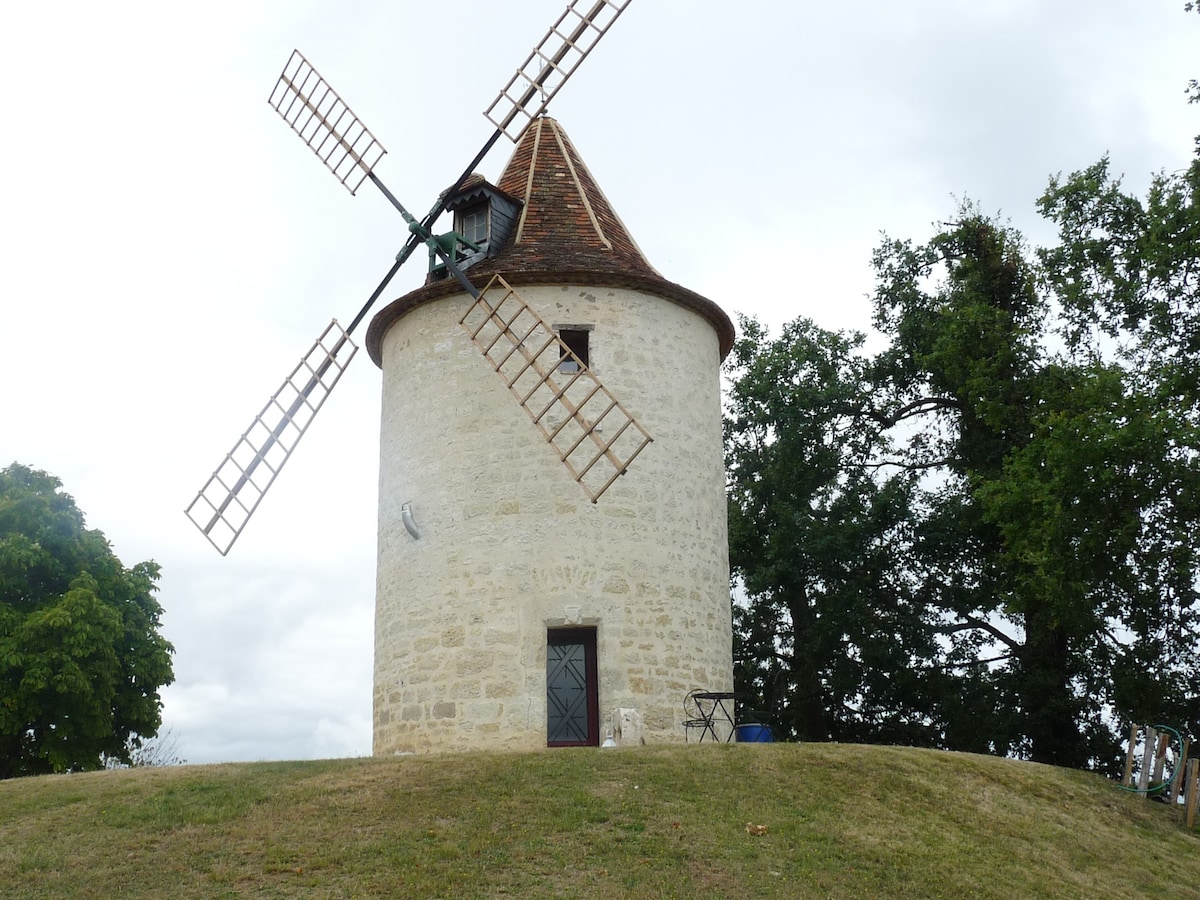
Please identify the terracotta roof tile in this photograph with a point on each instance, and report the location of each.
(471, 181)
(566, 222)
(567, 231)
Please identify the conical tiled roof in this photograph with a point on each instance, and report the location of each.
(566, 232)
(566, 221)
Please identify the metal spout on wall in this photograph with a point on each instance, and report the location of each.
(410, 525)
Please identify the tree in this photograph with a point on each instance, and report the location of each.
(81, 657)
(826, 631)
(153, 752)
(1126, 272)
(1063, 497)
(982, 538)
(960, 378)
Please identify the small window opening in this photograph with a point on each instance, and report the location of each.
(576, 340)
(473, 223)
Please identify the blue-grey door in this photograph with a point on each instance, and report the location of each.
(572, 700)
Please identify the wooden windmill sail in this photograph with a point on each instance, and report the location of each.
(594, 435)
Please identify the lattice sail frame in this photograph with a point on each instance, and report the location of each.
(350, 151)
(551, 63)
(224, 505)
(593, 434)
(325, 123)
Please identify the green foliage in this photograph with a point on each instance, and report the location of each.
(1124, 272)
(828, 627)
(81, 659)
(1069, 482)
(983, 537)
(1125, 269)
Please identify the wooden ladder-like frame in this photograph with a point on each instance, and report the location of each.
(576, 414)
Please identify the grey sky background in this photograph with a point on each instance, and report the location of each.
(171, 248)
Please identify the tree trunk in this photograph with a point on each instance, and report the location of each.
(1046, 696)
(808, 704)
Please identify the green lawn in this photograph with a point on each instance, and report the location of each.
(841, 821)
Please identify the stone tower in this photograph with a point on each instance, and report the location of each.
(511, 611)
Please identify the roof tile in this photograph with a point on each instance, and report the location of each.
(567, 231)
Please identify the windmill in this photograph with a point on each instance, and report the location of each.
(593, 435)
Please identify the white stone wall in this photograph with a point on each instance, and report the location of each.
(510, 545)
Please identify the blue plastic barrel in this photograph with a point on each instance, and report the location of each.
(754, 734)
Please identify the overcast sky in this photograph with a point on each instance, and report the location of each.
(171, 248)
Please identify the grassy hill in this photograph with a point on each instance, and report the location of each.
(841, 821)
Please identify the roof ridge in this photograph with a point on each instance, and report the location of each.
(567, 154)
(566, 219)
(524, 196)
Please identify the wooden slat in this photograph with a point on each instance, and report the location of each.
(546, 376)
(1160, 757)
(506, 331)
(551, 63)
(1147, 760)
(230, 496)
(557, 394)
(617, 474)
(1193, 793)
(1128, 779)
(513, 349)
(595, 421)
(532, 363)
(574, 416)
(1177, 775)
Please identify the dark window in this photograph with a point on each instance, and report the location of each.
(572, 695)
(576, 341)
(473, 223)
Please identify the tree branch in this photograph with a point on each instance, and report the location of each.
(970, 623)
(967, 665)
(910, 466)
(915, 408)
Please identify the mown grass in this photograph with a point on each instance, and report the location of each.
(842, 821)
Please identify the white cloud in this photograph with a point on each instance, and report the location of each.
(172, 249)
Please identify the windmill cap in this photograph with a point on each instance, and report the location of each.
(565, 231)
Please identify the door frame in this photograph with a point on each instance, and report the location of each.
(586, 637)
